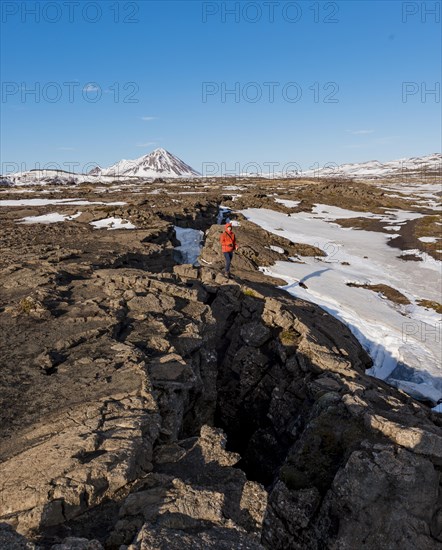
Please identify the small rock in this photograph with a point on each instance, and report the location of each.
(255, 334)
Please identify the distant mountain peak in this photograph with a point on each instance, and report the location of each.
(158, 163)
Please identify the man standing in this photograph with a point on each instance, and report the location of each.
(228, 245)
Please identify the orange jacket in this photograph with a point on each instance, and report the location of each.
(228, 241)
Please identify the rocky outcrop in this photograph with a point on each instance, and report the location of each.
(257, 248)
(106, 403)
(195, 497)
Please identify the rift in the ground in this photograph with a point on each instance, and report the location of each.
(148, 402)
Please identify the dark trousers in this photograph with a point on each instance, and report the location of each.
(228, 256)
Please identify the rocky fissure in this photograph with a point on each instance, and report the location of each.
(154, 405)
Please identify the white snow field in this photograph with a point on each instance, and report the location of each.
(404, 341)
(191, 241)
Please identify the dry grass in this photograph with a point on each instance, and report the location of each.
(390, 293)
(289, 337)
(249, 292)
(428, 227)
(430, 304)
(28, 305)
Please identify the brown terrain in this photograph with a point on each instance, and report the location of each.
(149, 404)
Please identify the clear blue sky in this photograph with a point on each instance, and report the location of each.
(362, 52)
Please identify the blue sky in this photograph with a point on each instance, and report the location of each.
(350, 80)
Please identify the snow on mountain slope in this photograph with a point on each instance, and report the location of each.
(430, 165)
(159, 163)
(50, 177)
(375, 169)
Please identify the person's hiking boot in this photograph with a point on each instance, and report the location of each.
(227, 274)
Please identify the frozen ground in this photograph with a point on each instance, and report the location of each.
(404, 341)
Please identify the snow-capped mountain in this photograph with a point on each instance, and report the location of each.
(375, 169)
(159, 163)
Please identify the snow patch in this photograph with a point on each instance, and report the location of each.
(113, 223)
(276, 249)
(392, 227)
(428, 239)
(191, 242)
(53, 217)
(287, 202)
